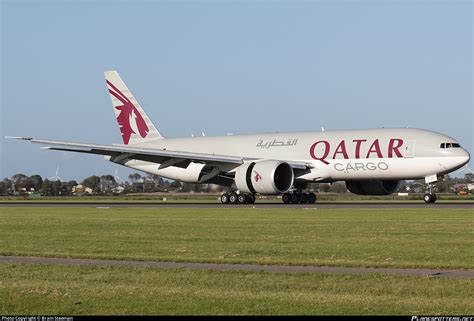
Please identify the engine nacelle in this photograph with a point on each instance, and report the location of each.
(264, 177)
(373, 187)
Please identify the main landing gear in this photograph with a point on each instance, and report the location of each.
(237, 198)
(288, 198)
(299, 198)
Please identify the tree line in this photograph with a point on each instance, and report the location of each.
(21, 184)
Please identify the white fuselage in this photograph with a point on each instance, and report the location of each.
(385, 154)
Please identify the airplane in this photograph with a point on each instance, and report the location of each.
(370, 161)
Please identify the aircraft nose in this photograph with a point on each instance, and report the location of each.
(465, 157)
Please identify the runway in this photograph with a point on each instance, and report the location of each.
(466, 274)
(215, 204)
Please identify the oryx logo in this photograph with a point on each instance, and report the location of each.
(257, 176)
(130, 120)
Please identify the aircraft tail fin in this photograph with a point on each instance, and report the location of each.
(135, 125)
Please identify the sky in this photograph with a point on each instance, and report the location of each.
(228, 67)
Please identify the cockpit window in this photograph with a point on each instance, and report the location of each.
(449, 145)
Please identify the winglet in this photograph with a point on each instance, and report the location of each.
(19, 137)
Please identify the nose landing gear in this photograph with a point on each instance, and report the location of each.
(430, 196)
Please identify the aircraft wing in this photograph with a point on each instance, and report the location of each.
(161, 156)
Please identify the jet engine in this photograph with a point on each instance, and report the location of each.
(373, 187)
(264, 177)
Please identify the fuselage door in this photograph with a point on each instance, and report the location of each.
(409, 149)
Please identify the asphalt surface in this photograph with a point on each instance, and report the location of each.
(215, 204)
(466, 274)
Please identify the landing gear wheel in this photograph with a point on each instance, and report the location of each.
(250, 198)
(427, 198)
(241, 199)
(303, 198)
(286, 198)
(225, 198)
(430, 198)
(233, 198)
(311, 199)
(294, 198)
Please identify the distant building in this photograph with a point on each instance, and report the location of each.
(118, 189)
(81, 190)
(458, 187)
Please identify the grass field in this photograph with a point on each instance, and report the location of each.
(69, 290)
(423, 238)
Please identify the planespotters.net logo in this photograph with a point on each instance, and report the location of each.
(427, 318)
